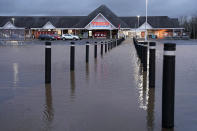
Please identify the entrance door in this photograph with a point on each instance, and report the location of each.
(100, 34)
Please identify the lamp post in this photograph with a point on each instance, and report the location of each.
(138, 25)
(138, 17)
(146, 20)
(13, 19)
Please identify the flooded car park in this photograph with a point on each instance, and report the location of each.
(109, 93)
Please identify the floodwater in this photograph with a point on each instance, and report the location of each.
(108, 94)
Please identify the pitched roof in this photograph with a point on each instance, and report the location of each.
(154, 21)
(40, 21)
(107, 13)
(82, 21)
(48, 25)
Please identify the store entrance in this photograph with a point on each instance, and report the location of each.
(101, 34)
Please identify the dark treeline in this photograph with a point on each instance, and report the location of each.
(190, 25)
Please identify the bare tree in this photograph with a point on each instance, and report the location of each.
(190, 25)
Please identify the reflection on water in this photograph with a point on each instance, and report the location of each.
(112, 92)
(95, 66)
(145, 91)
(150, 109)
(146, 96)
(167, 129)
(72, 83)
(15, 73)
(48, 113)
(87, 71)
(12, 43)
(142, 88)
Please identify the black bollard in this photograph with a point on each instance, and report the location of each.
(144, 55)
(48, 62)
(101, 48)
(168, 90)
(95, 50)
(152, 47)
(111, 44)
(72, 56)
(108, 45)
(118, 41)
(87, 51)
(141, 51)
(140, 46)
(105, 46)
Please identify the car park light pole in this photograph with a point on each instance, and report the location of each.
(138, 19)
(13, 19)
(138, 24)
(146, 20)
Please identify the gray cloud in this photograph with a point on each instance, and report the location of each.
(172, 8)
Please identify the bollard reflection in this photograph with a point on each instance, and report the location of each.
(140, 69)
(87, 71)
(15, 73)
(142, 88)
(72, 83)
(164, 129)
(95, 66)
(145, 91)
(48, 112)
(150, 109)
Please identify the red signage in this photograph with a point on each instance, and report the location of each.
(100, 23)
(100, 34)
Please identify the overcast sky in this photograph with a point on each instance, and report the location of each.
(173, 8)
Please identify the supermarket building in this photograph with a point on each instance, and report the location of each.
(101, 23)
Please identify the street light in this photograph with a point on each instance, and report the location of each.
(13, 19)
(146, 20)
(138, 20)
(138, 25)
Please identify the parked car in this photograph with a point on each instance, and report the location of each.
(70, 37)
(46, 37)
(57, 37)
(185, 37)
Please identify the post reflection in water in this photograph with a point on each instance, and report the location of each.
(87, 71)
(142, 87)
(150, 109)
(145, 91)
(172, 129)
(72, 83)
(48, 112)
(95, 66)
(15, 73)
(146, 96)
(140, 69)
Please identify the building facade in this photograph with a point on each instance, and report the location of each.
(101, 23)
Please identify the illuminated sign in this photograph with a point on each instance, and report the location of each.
(102, 24)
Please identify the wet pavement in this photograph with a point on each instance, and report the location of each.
(108, 94)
